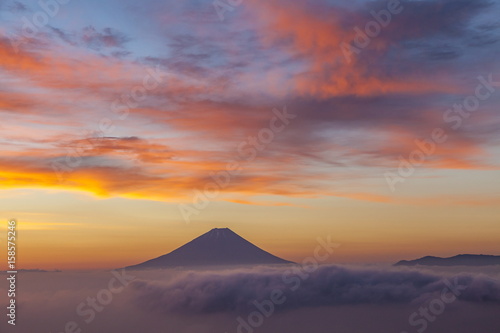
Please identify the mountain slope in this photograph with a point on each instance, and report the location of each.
(459, 260)
(219, 246)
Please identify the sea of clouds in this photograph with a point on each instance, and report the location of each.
(289, 298)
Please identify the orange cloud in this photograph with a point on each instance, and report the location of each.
(21, 60)
(315, 32)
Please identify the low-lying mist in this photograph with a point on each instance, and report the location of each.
(288, 298)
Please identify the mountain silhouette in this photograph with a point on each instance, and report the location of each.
(458, 260)
(219, 246)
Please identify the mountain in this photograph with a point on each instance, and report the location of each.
(459, 260)
(219, 246)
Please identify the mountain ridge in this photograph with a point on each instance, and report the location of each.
(458, 260)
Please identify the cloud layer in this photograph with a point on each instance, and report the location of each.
(187, 301)
(202, 292)
(68, 84)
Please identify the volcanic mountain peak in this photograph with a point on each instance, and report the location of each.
(219, 246)
(219, 232)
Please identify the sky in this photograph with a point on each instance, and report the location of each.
(130, 128)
